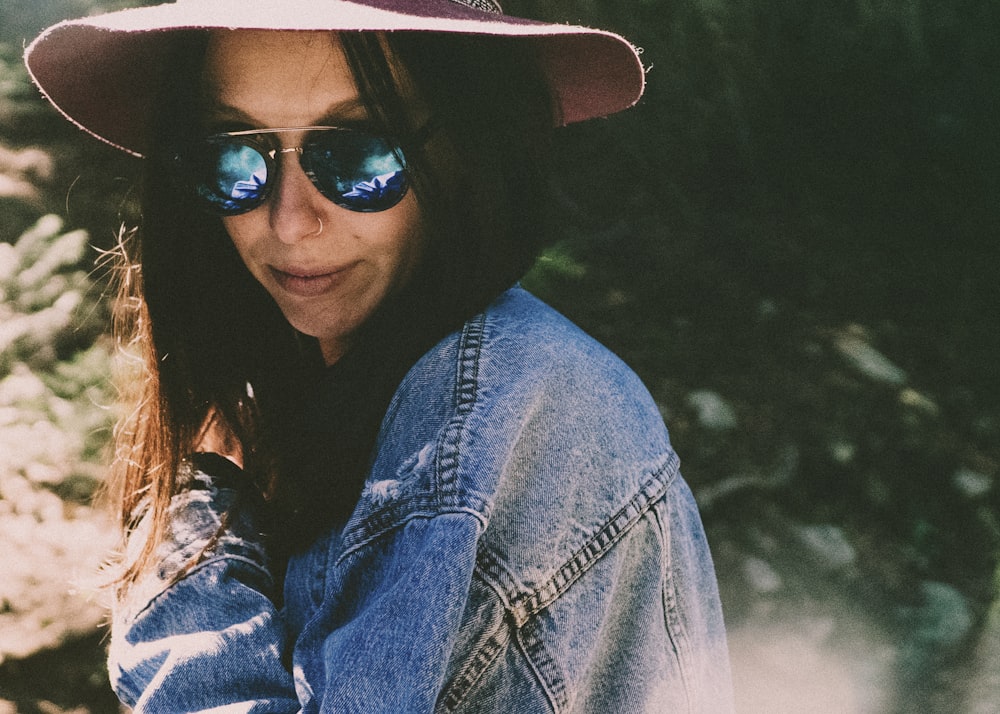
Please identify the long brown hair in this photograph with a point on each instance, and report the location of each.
(202, 336)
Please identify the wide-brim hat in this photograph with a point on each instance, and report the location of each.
(101, 71)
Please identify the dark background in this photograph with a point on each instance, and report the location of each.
(793, 240)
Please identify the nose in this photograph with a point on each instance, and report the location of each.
(296, 207)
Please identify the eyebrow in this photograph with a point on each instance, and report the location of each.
(217, 114)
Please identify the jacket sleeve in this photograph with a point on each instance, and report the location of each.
(383, 636)
(211, 639)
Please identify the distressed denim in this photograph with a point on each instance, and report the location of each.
(524, 543)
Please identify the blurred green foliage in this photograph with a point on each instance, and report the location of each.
(843, 154)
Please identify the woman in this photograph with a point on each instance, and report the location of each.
(363, 471)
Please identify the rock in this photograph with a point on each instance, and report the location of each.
(868, 361)
(944, 619)
(971, 484)
(713, 412)
(761, 577)
(919, 402)
(828, 544)
(767, 309)
(842, 451)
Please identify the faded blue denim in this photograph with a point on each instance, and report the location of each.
(524, 543)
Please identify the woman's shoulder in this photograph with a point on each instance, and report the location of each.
(522, 376)
(520, 326)
(527, 350)
(562, 393)
(515, 352)
(520, 407)
(554, 437)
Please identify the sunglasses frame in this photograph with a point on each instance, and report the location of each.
(270, 153)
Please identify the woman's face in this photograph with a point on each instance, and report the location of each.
(328, 268)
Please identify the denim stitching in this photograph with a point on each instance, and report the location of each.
(674, 624)
(398, 513)
(169, 586)
(544, 665)
(466, 389)
(524, 606)
(524, 603)
(484, 654)
(445, 496)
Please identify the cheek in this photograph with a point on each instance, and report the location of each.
(393, 239)
(237, 226)
(409, 245)
(241, 231)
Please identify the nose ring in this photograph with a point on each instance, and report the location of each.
(320, 230)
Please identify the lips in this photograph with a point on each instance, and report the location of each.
(308, 283)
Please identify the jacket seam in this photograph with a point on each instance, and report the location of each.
(172, 584)
(532, 648)
(524, 605)
(444, 495)
(550, 675)
(394, 521)
(473, 670)
(465, 396)
(674, 625)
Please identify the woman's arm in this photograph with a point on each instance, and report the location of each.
(210, 637)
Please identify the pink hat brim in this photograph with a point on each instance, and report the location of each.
(99, 71)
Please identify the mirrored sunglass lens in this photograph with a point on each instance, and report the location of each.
(356, 170)
(232, 176)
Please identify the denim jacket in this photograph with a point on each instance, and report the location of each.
(524, 543)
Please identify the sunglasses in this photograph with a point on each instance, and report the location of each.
(233, 172)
